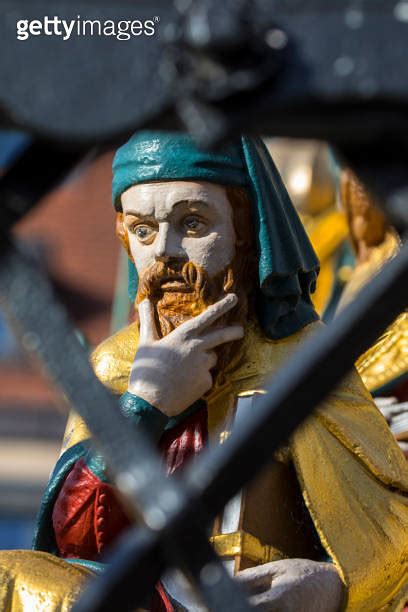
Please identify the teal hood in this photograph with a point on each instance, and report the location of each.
(288, 266)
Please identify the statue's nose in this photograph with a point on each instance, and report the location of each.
(168, 244)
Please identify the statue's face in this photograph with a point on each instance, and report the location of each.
(179, 221)
(367, 223)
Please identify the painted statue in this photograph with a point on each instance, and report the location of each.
(221, 274)
(384, 367)
(309, 170)
(353, 241)
(373, 239)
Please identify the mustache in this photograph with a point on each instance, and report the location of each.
(158, 274)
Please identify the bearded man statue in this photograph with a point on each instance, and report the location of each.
(221, 273)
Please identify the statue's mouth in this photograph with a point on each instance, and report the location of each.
(175, 284)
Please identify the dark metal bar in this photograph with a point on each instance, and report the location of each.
(114, 594)
(46, 334)
(299, 386)
(295, 390)
(197, 558)
(185, 546)
(49, 338)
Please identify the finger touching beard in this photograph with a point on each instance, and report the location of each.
(178, 292)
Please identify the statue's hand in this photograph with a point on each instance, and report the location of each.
(294, 584)
(171, 373)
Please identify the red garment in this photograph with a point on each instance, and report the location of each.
(160, 602)
(87, 515)
(179, 444)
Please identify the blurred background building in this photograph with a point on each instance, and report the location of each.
(71, 234)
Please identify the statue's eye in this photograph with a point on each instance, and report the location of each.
(144, 233)
(193, 225)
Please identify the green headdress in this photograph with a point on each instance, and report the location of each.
(288, 266)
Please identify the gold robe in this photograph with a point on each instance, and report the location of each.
(327, 232)
(353, 476)
(34, 581)
(387, 360)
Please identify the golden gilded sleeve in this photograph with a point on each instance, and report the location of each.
(32, 580)
(354, 480)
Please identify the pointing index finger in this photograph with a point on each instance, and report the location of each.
(211, 314)
(148, 331)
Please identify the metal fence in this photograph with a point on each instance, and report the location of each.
(173, 515)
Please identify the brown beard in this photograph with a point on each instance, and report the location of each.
(180, 291)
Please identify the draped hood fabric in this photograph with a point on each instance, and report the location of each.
(288, 266)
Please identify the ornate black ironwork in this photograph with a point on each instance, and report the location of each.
(173, 515)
